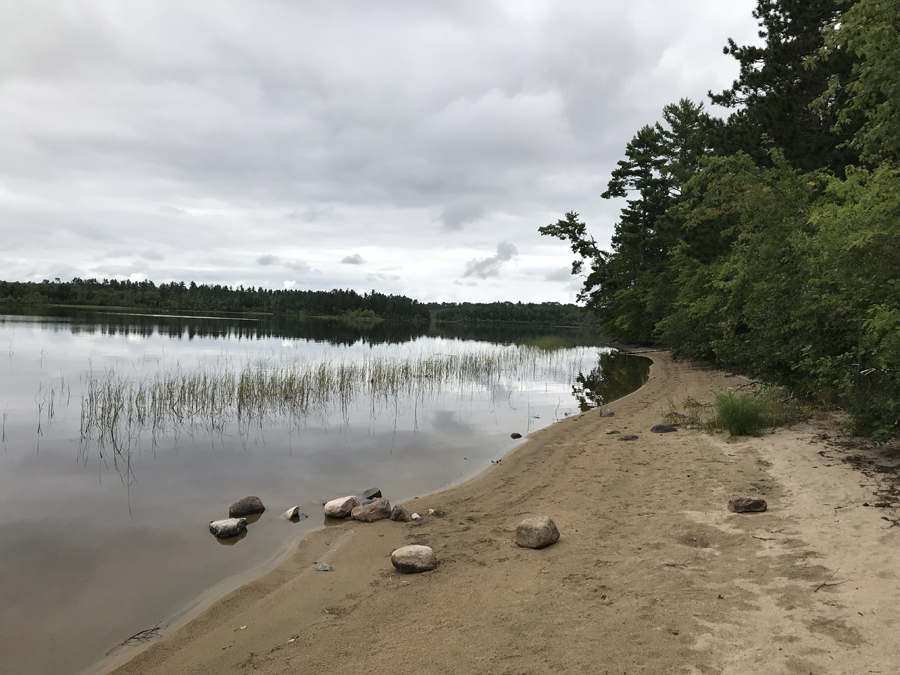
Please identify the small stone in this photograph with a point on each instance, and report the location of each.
(514, 435)
(294, 514)
(323, 567)
(609, 414)
(399, 514)
(627, 437)
(372, 493)
(246, 507)
(415, 516)
(414, 558)
(437, 513)
(613, 431)
(747, 505)
(662, 429)
(228, 527)
(537, 532)
(341, 507)
(379, 509)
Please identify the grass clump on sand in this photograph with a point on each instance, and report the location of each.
(740, 415)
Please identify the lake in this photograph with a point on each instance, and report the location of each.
(124, 434)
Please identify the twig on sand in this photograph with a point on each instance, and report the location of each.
(828, 580)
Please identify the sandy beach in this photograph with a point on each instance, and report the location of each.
(652, 574)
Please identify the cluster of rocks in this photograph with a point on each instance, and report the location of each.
(236, 523)
(373, 507)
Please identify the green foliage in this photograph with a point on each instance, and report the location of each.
(544, 313)
(740, 415)
(870, 31)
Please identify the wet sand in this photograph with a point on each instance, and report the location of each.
(651, 574)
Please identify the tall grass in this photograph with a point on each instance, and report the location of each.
(740, 415)
(117, 407)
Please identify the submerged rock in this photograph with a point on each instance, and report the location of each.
(246, 507)
(228, 527)
(662, 429)
(627, 437)
(378, 509)
(372, 493)
(537, 532)
(413, 558)
(400, 515)
(294, 513)
(747, 505)
(341, 507)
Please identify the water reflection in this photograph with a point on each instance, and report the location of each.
(615, 375)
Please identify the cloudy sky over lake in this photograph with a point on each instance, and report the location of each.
(411, 147)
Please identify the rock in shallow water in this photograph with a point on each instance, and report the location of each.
(414, 558)
(747, 505)
(293, 513)
(399, 514)
(515, 435)
(228, 527)
(341, 507)
(537, 532)
(246, 507)
(378, 509)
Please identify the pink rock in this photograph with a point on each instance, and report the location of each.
(341, 507)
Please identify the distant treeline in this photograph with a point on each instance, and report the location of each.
(769, 242)
(545, 313)
(178, 296)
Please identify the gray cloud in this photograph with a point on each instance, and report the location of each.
(561, 274)
(490, 267)
(294, 124)
(355, 259)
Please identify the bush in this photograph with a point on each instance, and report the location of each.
(741, 415)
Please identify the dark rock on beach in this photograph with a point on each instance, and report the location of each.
(246, 507)
(662, 429)
(613, 431)
(747, 505)
(609, 414)
(627, 437)
(379, 509)
(400, 515)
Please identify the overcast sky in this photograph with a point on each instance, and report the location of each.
(412, 147)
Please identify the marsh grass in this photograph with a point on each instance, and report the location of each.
(117, 406)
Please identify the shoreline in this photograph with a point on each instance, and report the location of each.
(651, 574)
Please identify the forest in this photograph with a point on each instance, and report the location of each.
(768, 241)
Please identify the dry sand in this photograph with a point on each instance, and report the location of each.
(651, 575)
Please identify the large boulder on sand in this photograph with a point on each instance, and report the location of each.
(246, 507)
(341, 507)
(400, 515)
(228, 527)
(536, 532)
(414, 558)
(377, 509)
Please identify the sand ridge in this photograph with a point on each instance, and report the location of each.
(652, 574)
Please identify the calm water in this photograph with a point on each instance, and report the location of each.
(98, 543)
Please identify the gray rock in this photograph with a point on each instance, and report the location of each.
(399, 514)
(323, 567)
(515, 435)
(414, 558)
(609, 414)
(246, 507)
(379, 509)
(228, 527)
(537, 532)
(662, 429)
(372, 493)
(627, 437)
(294, 513)
(341, 507)
(747, 505)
